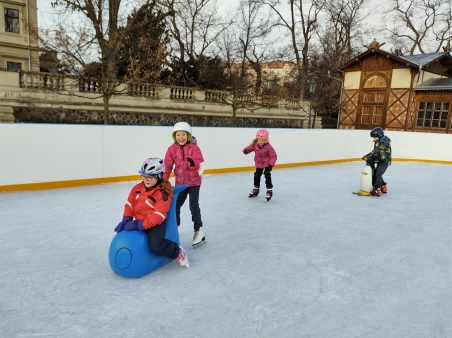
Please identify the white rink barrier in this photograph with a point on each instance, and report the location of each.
(44, 156)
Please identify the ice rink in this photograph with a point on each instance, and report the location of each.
(315, 261)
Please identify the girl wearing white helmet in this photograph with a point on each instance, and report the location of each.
(186, 158)
(147, 208)
(264, 160)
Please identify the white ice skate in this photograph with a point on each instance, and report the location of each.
(198, 238)
(182, 258)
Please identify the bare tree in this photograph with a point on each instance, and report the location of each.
(346, 26)
(302, 21)
(418, 25)
(100, 33)
(194, 26)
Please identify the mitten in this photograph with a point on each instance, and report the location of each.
(191, 162)
(246, 151)
(134, 225)
(268, 169)
(121, 225)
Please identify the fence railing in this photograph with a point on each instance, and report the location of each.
(182, 93)
(147, 90)
(40, 80)
(59, 82)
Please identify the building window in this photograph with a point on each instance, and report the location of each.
(432, 114)
(375, 81)
(13, 65)
(11, 20)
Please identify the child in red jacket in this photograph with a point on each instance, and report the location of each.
(148, 203)
(186, 157)
(264, 160)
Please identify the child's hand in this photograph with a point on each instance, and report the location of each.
(134, 225)
(246, 151)
(123, 223)
(191, 162)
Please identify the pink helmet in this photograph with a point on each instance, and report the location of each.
(262, 133)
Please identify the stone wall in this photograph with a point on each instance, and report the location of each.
(42, 115)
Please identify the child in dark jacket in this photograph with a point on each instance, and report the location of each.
(147, 208)
(186, 157)
(379, 159)
(264, 160)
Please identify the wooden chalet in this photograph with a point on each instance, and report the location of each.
(397, 92)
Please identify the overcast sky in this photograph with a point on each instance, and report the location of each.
(47, 15)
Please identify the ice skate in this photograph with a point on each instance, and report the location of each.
(376, 192)
(269, 194)
(182, 258)
(384, 188)
(198, 238)
(254, 192)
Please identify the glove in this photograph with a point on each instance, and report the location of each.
(191, 162)
(134, 225)
(268, 169)
(246, 151)
(121, 225)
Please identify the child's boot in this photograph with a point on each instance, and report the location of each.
(254, 192)
(198, 237)
(376, 192)
(182, 258)
(384, 188)
(269, 194)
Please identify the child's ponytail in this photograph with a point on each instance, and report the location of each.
(166, 185)
(253, 142)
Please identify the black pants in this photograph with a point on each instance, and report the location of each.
(159, 244)
(193, 203)
(257, 178)
(377, 174)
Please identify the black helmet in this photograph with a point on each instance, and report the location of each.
(377, 132)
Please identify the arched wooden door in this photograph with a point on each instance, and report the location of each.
(374, 94)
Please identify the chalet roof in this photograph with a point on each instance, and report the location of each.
(435, 84)
(410, 60)
(423, 59)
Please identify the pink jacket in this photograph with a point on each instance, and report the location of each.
(263, 157)
(177, 156)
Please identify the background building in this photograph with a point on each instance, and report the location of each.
(18, 35)
(396, 92)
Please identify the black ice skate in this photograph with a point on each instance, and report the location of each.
(269, 194)
(254, 192)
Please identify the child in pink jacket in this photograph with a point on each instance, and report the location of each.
(264, 160)
(186, 157)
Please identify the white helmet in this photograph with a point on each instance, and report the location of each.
(153, 166)
(182, 126)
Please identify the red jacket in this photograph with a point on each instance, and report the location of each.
(177, 156)
(263, 157)
(151, 205)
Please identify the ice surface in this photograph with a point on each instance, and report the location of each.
(315, 261)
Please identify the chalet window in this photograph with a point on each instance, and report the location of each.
(11, 20)
(375, 81)
(432, 114)
(13, 65)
